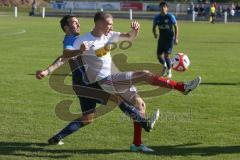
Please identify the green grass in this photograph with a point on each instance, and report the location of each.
(202, 125)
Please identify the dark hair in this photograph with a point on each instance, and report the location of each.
(102, 16)
(163, 4)
(64, 20)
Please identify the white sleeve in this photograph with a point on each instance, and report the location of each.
(77, 43)
(114, 36)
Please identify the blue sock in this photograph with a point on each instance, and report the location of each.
(69, 129)
(134, 113)
(168, 62)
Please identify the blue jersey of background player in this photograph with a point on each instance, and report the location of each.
(168, 30)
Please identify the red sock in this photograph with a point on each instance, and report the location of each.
(137, 137)
(167, 83)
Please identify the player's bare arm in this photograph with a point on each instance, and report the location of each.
(67, 54)
(176, 33)
(133, 33)
(56, 64)
(154, 31)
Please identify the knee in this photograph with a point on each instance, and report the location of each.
(141, 76)
(87, 119)
(141, 73)
(147, 72)
(140, 104)
(142, 110)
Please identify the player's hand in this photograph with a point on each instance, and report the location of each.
(176, 41)
(41, 74)
(84, 47)
(135, 25)
(155, 36)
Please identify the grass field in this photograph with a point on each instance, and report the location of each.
(203, 125)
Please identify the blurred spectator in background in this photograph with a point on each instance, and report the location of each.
(212, 14)
(219, 10)
(237, 10)
(237, 7)
(228, 10)
(196, 8)
(232, 12)
(34, 7)
(201, 10)
(215, 5)
(190, 8)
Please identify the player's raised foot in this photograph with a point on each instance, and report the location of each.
(191, 85)
(141, 148)
(55, 141)
(169, 73)
(151, 121)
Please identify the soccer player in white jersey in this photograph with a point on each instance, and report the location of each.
(100, 68)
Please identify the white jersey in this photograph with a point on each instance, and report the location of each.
(97, 60)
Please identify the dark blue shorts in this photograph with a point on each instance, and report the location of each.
(88, 105)
(165, 46)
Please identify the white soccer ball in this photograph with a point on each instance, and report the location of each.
(180, 62)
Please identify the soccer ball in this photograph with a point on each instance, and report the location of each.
(180, 62)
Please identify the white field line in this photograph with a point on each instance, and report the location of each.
(14, 33)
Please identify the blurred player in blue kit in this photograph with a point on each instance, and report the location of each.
(168, 30)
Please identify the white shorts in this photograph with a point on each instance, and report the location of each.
(119, 83)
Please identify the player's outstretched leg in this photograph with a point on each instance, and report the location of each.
(155, 80)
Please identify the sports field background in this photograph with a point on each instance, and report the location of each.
(202, 125)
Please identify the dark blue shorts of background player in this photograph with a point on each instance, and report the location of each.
(164, 47)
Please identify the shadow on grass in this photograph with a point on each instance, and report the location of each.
(192, 149)
(40, 150)
(43, 150)
(219, 84)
